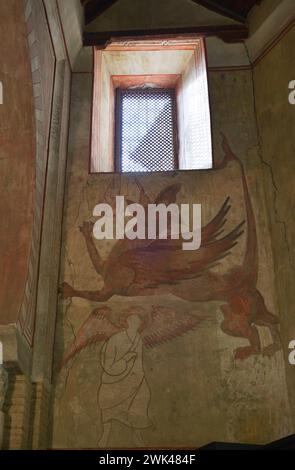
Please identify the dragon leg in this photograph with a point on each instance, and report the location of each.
(265, 318)
(241, 327)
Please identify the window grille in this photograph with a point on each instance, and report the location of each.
(146, 130)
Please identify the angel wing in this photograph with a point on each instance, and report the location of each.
(166, 325)
(164, 261)
(97, 327)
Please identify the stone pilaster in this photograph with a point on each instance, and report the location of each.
(3, 392)
(41, 416)
(17, 409)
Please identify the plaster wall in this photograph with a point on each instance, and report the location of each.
(195, 383)
(276, 121)
(17, 159)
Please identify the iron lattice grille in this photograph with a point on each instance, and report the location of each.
(146, 133)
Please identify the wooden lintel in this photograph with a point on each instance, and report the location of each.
(228, 33)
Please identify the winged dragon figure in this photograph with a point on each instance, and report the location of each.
(152, 267)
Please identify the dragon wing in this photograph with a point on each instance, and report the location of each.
(97, 327)
(168, 195)
(215, 227)
(166, 325)
(164, 261)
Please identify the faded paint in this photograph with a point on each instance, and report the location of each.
(217, 398)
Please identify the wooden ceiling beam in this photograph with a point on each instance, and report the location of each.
(217, 7)
(228, 33)
(95, 8)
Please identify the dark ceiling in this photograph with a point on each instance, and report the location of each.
(239, 6)
(235, 9)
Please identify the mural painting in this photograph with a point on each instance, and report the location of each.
(156, 308)
(124, 393)
(147, 266)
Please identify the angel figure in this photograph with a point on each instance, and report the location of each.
(124, 394)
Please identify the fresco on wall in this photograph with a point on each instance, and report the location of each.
(153, 341)
(144, 267)
(124, 394)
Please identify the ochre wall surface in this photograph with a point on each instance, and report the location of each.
(17, 159)
(194, 388)
(276, 123)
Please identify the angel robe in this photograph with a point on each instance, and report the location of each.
(124, 394)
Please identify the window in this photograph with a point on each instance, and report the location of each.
(151, 107)
(146, 131)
